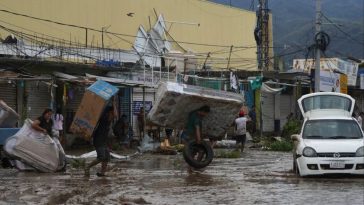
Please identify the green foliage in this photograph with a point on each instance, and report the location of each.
(291, 127)
(283, 146)
(178, 147)
(78, 163)
(227, 154)
(116, 146)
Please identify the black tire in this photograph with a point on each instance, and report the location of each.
(206, 154)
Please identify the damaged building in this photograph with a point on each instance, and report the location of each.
(62, 47)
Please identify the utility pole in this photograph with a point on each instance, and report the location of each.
(102, 37)
(262, 35)
(104, 28)
(318, 51)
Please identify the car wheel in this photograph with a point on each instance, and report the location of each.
(198, 155)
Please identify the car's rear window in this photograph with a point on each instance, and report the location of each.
(326, 102)
(332, 129)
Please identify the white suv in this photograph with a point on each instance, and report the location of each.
(331, 140)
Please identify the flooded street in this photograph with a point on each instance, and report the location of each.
(258, 177)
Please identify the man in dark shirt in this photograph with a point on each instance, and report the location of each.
(194, 124)
(44, 123)
(141, 122)
(193, 129)
(121, 129)
(100, 142)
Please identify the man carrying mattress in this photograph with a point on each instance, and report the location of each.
(193, 129)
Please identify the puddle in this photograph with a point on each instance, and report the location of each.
(258, 177)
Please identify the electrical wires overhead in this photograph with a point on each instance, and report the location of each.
(347, 35)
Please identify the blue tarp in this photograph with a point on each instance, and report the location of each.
(5, 133)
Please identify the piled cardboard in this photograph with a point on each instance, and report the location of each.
(92, 105)
(175, 101)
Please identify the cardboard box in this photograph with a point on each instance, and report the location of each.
(175, 101)
(90, 110)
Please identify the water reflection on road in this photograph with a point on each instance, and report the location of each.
(257, 177)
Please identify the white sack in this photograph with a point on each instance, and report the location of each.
(148, 144)
(93, 154)
(36, 149)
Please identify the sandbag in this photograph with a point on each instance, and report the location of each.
(36, 149)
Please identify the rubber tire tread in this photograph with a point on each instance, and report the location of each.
(188, 152)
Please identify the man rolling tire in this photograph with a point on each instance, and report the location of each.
(196, 150)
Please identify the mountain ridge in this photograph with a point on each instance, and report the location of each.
(294, 25)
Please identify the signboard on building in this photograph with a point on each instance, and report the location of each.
(138, 104)
(329, 81)
(333, 82)
(330, 64)
(343, 83)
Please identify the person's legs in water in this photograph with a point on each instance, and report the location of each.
(239, 140)
(103, 156)
(185, 139)
(103, 169)
(88, 167)
(243, 140)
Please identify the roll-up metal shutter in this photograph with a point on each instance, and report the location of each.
(268, 112)
(149, 94)
(8, 94)
(125, 102)
(74, 97)
(39, 98)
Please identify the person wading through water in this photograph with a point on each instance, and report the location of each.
(193, 129)
(100, 140)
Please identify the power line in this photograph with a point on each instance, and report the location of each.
(119, 34)
(76, 52)
(342, 31)
(38, 38)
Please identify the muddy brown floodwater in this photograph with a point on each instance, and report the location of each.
(258, 177)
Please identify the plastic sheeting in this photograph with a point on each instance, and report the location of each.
(93, 154)
(148, 144)
(175, 101)
(36, 149)
(265, 88)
